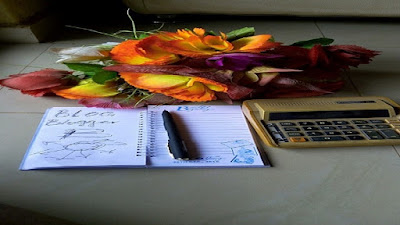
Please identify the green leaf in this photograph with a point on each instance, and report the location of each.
(310, 43)
(210, 33)
(239, 33)
(103, 76)
(143, 35)
(88, 69)
(97, 73)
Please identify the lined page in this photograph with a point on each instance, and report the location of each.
(88, 137)
(215, 136)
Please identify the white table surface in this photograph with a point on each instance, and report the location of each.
(357, 185)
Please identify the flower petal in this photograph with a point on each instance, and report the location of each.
(258, 43)
(239, 61)
(79, 54)
(88, 89)
(180, 87)
(149, 53)
(193, 44)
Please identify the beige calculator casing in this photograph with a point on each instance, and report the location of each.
(260, 109)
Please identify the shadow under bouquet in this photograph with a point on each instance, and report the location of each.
(196, 65)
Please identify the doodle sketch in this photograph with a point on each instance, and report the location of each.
(90, 142)
(243, 151)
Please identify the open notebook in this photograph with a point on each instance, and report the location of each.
(80, 137)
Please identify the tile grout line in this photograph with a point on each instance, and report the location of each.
(29, 64)
(395, 149)
(352, 83)
(319, 29)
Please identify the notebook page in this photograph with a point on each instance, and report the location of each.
(87, 137)
(216, 136)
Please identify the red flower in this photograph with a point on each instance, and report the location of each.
(36, 83)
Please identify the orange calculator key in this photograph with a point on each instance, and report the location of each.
(297, 139)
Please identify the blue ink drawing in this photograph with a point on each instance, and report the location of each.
(79, 143)
(79, 149)
(243, 151)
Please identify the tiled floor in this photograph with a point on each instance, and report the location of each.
(381, 77)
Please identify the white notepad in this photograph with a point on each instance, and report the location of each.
(80, 137)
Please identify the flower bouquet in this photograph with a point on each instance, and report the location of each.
(196, 65)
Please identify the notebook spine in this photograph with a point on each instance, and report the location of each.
(151, 134)
(141, 146)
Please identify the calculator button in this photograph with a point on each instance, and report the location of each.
(355, 137)
(328, 128)
(314, 133)
(294, 134)
(278, 136)
(287, 124)
(383, 126)
(330, 138)
(332, 133)
(350, 132)
(391, 134)
(372, 134)
(377, 121)
(345, 127)
(323, 123)
(306, 123)
(359, 121)
(271, 127)
(310, 128)
(298, 139)
(291, 129)
(365, 126)
(340, 122)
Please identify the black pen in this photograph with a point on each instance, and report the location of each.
(175, 143)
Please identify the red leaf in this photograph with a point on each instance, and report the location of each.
(318, 56)
(293, 57)
(237, 92)
(36, 83)
(350, 55)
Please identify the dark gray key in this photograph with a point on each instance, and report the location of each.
(324, 123)
(310, 128)
(314, 133)
(294, 134)
(328, 128)
(330, 138)
(287, 124)
(306, 123)
(345, 127)
(350, 132)
(373, 135)
(340, 122)
(355, 137)
(359, 121)
(332, 133)
(383, 126)
(291, 129)
(391, 134)
(365, 126)
(377, 121)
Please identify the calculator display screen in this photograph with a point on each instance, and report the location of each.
(328, 114)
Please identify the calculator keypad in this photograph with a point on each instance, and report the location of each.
(333, 130)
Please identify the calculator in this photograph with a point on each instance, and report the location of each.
(325, 121)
